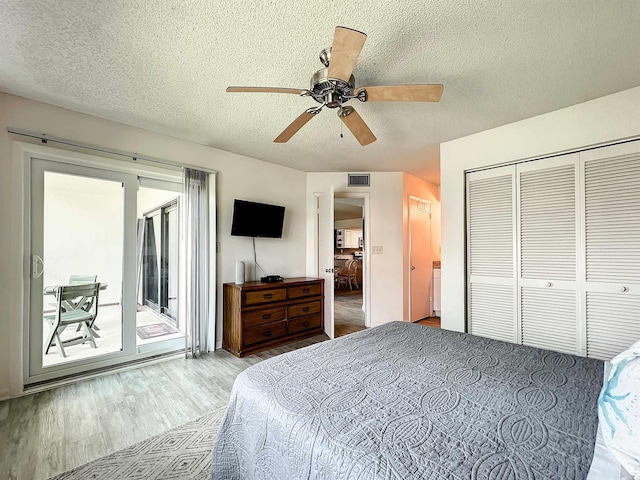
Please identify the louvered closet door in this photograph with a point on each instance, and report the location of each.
(491, 252)
(547, 196)
(612, 248)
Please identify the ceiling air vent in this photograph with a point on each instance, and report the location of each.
(359, 180)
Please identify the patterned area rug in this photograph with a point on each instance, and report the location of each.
(155, 330)
(181, 453)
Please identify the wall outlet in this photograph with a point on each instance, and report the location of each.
(376, 250)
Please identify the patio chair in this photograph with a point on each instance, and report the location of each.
(82, 280)
(76, 304)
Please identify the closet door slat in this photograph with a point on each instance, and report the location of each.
(549, 319)
(612, 219)
(548, 223)
(613, 323)
(491, 311)
(491, 226)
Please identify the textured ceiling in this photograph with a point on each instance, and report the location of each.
(164, 66)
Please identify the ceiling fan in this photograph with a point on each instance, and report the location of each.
(334, 85)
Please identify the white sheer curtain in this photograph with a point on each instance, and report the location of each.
(196, 260)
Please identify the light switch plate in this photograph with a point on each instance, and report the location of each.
(376, 250)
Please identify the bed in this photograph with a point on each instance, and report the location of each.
(404, 401)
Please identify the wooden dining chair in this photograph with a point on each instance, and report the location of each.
(71, 309)
(347, 275)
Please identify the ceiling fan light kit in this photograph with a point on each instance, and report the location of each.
(334, 85)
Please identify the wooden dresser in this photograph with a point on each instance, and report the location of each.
(260, 315)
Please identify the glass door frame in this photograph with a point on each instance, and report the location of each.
(162, 306)
(73, 163)
(35, 371)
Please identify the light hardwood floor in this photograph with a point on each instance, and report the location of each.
(430, 322)
(348, 313)
(46, 433)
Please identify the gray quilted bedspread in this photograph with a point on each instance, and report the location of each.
(404, 401)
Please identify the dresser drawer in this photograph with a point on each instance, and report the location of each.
(264, 315)
(301, 309)
(263, 296)
(301, 291)
(304, 323)
(263, 333)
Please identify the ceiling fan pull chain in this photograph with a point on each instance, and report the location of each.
(341, 136)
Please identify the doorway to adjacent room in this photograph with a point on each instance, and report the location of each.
(349, 265)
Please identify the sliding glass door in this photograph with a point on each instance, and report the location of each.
(160, 260)
(85, 231)
(158, 317)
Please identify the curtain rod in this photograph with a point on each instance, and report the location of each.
(133, 156)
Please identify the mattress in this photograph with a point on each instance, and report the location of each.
(403, 401)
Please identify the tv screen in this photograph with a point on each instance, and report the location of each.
(252, 219)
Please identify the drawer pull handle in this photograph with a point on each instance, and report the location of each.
(267, 333)
(305, 290)
(268, 295)
(266, 316)
(305, 309)
(305, 324)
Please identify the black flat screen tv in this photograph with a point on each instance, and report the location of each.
(251, 219)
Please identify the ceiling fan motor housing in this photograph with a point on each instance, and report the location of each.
(331, 91)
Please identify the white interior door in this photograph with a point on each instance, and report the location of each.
(491, 239)
(611, 248)
(420, 261)
(325, 255)
(548, 253)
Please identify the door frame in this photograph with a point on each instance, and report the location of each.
(366, 254)
(24, 153)
(316, 259)
(409, 247)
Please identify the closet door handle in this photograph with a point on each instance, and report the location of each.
(548, 284)
(624, 289)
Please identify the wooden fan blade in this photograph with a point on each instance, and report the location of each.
(354, 122)
(346, 48)
(296, 91)
(296, 125)
(404, 93)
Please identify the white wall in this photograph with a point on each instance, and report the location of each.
(385, 203)
(83, 232)
(427, 191)
(604, 120)
(239, 177)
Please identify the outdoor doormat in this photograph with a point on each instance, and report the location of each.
(155, 330)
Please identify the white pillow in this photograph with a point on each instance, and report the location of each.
(619, 409)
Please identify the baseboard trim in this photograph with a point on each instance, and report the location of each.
(5, 394)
